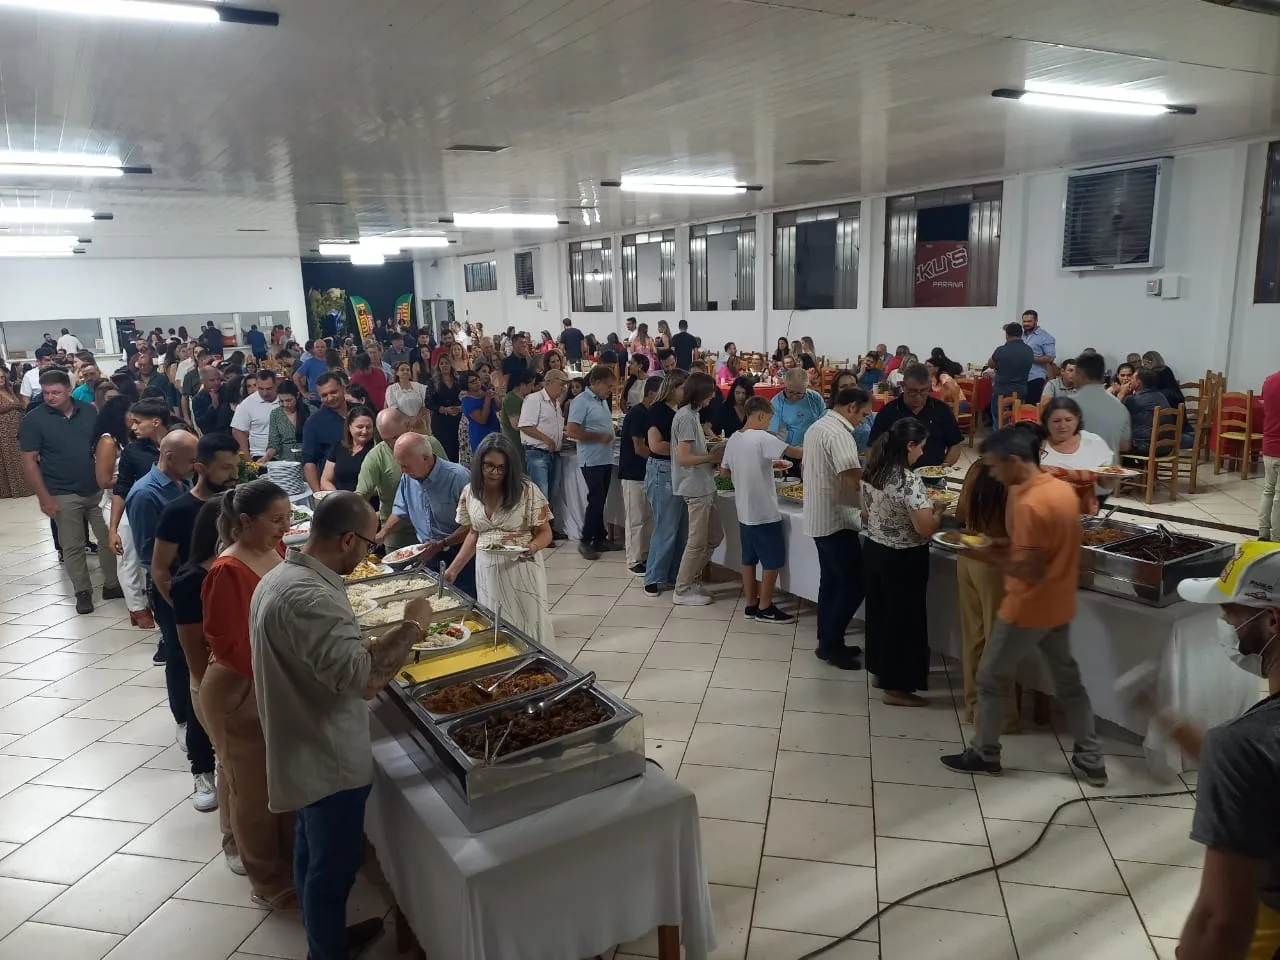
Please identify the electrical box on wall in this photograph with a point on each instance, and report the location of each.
(1167, 287)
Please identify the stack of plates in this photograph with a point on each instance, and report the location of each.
(288, 476)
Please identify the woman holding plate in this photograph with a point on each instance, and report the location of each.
(1074, 454)
(510, 528)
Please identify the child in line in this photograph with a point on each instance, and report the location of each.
(748, 458)
(693, 481)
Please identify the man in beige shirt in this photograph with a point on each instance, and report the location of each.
(313, 673)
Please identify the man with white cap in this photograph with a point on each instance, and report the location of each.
(1236, 914)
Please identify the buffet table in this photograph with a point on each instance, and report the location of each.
(572, 881)
(1109, 636)
(569, 501)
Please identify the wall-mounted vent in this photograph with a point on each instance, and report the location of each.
(526, 274)
(1114, 217)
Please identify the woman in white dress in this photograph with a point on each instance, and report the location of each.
(503, 508)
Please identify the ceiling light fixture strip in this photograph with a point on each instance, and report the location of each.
(164, 11)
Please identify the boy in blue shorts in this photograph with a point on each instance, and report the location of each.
(748, 458)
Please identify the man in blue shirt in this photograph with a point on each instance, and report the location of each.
(257, 341)
(323, 429)
(427, 497)
(1044, 348)
(796, 408)
(169, 479)
(314, 366)
(590, 425)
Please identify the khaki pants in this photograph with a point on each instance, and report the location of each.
(1269, 507)
(224, 800)
(73, 511)
(705, 534)
(639, 521)
(981, 591)
(264, 839)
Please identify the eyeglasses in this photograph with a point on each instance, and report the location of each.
(494, 467)
(372, 543)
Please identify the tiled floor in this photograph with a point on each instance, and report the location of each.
(818, 802)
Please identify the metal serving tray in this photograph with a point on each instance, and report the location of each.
(539, 661)
(523, 647)
(1154, 583)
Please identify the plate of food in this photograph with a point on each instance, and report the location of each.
(298, 533)
(1114, 470)
(792, 491)
(404, 554)
(961, 540)
(370, 566)
(299, 515)
(444, 634)
(780, 466)
(939, 496)
(362, 605)
(319, 495)
(933, 473)
(499, 546)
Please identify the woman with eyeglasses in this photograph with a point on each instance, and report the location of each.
(510, 530)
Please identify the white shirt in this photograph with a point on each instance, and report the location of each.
(30, 386)
(70, 343)
(253, 416)
(749, 457)
(1093, 453)
(829, 450)
(539, 410)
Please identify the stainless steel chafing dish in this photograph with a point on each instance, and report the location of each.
(538, 661)
(1132, 567)
(476, 644)
(408, 585)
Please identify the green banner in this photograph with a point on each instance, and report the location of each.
(404, 311)
(364, 320)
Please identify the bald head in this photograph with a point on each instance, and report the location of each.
(414, 455)
(391, 424)
(178, 454)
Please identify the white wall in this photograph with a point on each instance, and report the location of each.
(83, 287)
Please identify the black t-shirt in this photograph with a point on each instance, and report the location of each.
(176, 523)
(346, 466)
(136, 460)
(684, 343)
(631, 465)
(660, 416)
(937, 418)
(727, 420)
(1013, 361)
(571, 338)
(212, 340)
(185, 593)
(711, 411)
(514, 364)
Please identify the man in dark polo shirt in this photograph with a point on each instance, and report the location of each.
(323, 429)
(57, 439)
(943, 445)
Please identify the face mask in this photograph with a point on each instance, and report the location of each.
(1229, 637)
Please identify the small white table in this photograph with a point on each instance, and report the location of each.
(569, 504)
(801, 574)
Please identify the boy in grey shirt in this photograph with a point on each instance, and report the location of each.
(693, 478)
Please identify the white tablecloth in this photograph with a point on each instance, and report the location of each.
(567, 883)
(800, 576)
(569, 504)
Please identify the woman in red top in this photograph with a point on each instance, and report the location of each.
(254, 519)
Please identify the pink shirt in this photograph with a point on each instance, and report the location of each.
(1271, 416)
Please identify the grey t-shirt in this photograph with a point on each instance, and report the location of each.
(699, 481)
(1236, 791)
(1013, 361)
(1103, 414)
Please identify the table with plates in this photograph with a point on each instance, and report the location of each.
(768, 391)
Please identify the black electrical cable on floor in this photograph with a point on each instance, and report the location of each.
(977, 873)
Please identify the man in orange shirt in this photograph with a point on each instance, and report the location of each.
(1041, 565)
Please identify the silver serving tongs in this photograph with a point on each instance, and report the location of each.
(440, 577)
(1110, 512)
(497, 624)
(1165, 533)
(538, 706)
(488, 691)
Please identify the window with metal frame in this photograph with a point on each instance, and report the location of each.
(591, 276)
(1266, 283)
(526, 282)
(480, 276)
(942, 248)
(722, 265)
(815, 258)
(649, 271)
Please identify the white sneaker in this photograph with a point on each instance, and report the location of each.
(181, 736)
(700, 588)
(235, 864)
(690, 598)
(205, 797)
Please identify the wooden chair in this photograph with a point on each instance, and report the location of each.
(1007, 411)
(968, 421)
(1234, 418)
(1164, 455)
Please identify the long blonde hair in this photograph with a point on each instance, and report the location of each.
(672, 382)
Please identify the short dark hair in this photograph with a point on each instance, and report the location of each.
(641, 361)
(1013, 330)
(1031, 313)
(652, 385)
(848, 395)
(519, 378)
(149, 409)
(1150, 379)
(1016, 442)
(683, 324)
(338, 514)
(600, 373)
(1091, 365)
(917, 373)
(757, 405)
(664, 355)
(1069, 362)
(327, 378)
(266, 374)
(55, 378)
(566, 322)
(212, 444)
(728, 345)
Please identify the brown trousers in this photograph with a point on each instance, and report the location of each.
(981, 592)
(224, 801)
(264, 839)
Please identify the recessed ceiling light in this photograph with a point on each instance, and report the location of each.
(47, 215)
(507, 221)
(475, 148)
(1093, 100)
(162, 10)
(690, 186)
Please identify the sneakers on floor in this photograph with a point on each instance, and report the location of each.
(690, 598)
(205, 797)
(652, 590)
(588, 551)
(771, 614)
(180, 735)
(113, 593)
(1095, 774)
(160, 656)
(972, 762)
(235, 864)
(84, 601)
(637, 569)
(751, 613)
(700, 588)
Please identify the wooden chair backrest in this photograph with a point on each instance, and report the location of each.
(1007, 411)
(1235, 412)
(1166, 432)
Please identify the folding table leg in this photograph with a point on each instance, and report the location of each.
(668, 943)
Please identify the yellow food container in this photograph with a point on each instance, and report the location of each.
(451, 663)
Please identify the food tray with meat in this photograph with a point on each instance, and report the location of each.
(461, 693)
(513, 731)
(1148, 566)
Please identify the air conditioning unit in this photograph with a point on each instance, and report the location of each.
(1114, 217)
(528, 275)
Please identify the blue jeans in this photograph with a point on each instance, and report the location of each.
(670, 525)
(543, 468)
(326, 858)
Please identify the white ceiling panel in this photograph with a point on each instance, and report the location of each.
(352, 106)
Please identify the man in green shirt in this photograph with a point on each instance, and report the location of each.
(520, 384)
(380, 474)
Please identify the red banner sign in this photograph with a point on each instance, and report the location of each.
(942, 273)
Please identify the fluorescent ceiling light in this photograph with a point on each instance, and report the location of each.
(367, 258)
(396, 244)
(693, 186)
(38, 244)
(17, 163)
(336, 249)
(16, 254)
(162, 10)
(507, 221)
(44, 215)
(1110, 100)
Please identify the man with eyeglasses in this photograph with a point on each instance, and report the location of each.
(943, 444)
(427, 498)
